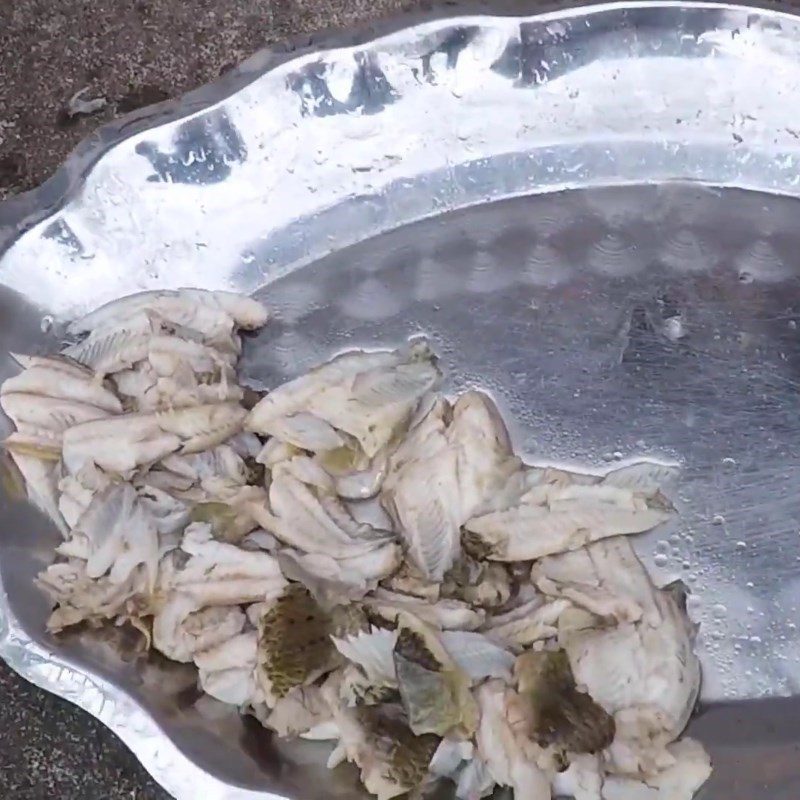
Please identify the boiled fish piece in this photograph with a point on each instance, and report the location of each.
(275, 451)
(690, 769)
(555, 714)
(556, 518)
(51, 380)
(449, 757)
(301, 710)
(116, 347)
(479, 583)
(182, 627)
(294, 644)
(144, 389)
(391, 758)
(582, 780)
(80, 598)
(147, 336)
(434, 690)
(49, 413)
(638, 664)
(409, 580)
(444, 614)
(472, 653)
(227, 670)
(335, 580)
(373, 652)
(366, 396)
(646, 477)
(442, 474)
(123, 443)
(532, 621)
(305, 514)
(218, 573)
(38, 443)
(506, 760)
(213, 314)
(121, 534)
(41, 485)
(605, 578)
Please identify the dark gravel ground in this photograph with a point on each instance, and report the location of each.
(132, 53)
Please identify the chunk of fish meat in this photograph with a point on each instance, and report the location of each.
(211, 313)
(533, 621)
(372, 651)
(218, 573)
(144, 389)
(444, 614)
(333, 580)
(433, 688)
(442, 475)
(605, 578)
(121, 534)
(294, 645)
(474, 654)
(80, 598)
(392, 760)
(53, 381)
(41, 485)
(305, 514)
(638, 664)
(301, 710)
(123, 443)
(181, 627)
(553, 712)
(582, 780)
(48, 413)
(506, 760)
(367, 396)
(227, 669)
(690, 769)
(561, 518)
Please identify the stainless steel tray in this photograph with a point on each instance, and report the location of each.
(591, 212)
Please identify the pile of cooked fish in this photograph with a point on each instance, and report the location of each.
(355, 557)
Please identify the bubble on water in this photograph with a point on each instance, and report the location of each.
(728, 462)
(660, 560)
(719, 611)
(662, 546)
(674, 329)
(614, 255)
(718, 519)
(740, 545)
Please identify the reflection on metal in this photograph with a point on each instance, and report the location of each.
(639, 297)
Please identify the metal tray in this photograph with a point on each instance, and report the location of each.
(592, 212)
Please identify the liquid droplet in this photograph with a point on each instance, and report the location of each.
(660, 560)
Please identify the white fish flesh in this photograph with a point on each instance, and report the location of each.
(123, 443)
(365, 395)
(560, 518)
(505, 759)
(50, 381)
(443, 474)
